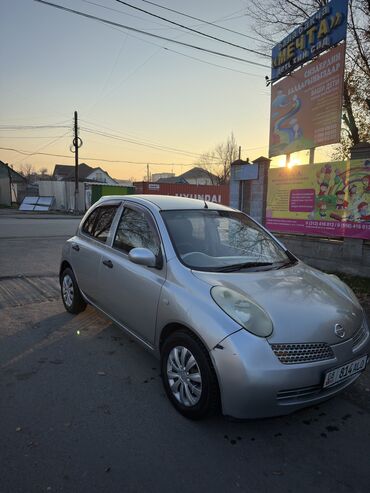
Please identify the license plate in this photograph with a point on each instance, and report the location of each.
(338, 374)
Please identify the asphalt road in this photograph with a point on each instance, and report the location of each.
(82, 408)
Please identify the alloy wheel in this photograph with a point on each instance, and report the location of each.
(184, 376)
(67, 290)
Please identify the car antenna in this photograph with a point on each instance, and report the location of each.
(205, 205)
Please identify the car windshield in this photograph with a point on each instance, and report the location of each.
(223, 241)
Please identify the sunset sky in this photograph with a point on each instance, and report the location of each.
(171, 105)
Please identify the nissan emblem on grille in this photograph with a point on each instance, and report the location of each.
(339, 331)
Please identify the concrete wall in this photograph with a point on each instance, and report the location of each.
(258, 194)
(350, 255)
(248, 188)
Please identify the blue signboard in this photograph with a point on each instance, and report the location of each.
(325, 28)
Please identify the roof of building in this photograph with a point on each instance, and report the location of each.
(67, 172)
(197, 172)
(193, 174)
(261, 159)
(14, 176)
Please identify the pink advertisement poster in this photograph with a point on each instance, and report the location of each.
(327, 199)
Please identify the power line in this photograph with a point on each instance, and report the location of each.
(105, 21)
(30, 127)
(48, 144)
(143, 144)
(27, 153)
(215, 38)
(201, 20)
(210, 63)
(125, 13)
(29, 137)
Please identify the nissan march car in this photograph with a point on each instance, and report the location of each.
(238, 322)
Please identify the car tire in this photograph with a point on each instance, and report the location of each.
(188, 376)
(71, 295)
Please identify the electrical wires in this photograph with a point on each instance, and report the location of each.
(213, 24)
(84, 158)
(193, 30)
(163, 38)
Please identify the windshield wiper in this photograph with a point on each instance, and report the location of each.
(287, 264)
(244, 265)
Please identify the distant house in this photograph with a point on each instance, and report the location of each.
(12, 185)
(195, 176)
(159, 176)
(66, 172)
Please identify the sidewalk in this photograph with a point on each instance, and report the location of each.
(16, 214)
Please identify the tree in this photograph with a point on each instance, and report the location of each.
(27, 170)
(275, 18)
(218, 160)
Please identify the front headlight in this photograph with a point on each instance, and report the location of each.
(244, 311)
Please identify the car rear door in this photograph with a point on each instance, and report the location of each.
(89, 246)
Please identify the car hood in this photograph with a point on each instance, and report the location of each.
(303, 303)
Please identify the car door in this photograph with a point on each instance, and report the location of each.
(88, 247)
(130, 291)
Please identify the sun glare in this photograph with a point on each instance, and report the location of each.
(293, 162)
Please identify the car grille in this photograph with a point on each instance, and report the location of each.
(360, 336)
(293, 354)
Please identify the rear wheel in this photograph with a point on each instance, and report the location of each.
(188, 376)
(71, 295)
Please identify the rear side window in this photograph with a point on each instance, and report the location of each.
(99, 222)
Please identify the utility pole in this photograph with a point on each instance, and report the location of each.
(76, 144)
(147, 173)
(240, 152)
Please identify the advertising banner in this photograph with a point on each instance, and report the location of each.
(327, 27)
(328, 199)
(306, 107)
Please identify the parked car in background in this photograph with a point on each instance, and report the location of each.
(238, 322)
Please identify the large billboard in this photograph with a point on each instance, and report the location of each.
(328, 199)
(306, 107)
(327, 27)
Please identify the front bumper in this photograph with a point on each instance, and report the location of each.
(255, 384)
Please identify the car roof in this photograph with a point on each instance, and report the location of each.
(166, 202)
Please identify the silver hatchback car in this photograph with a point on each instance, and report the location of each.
(237, 321)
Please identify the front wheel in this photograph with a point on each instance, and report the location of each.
(188, 376)
(71, 295)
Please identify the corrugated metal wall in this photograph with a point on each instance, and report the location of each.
(211, 193)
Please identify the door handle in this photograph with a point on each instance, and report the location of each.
(108, 263)
(76, 247)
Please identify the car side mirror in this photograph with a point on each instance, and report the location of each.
(143, 256)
